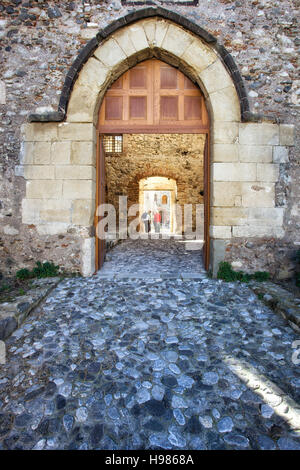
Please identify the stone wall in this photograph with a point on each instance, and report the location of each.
(40, 40)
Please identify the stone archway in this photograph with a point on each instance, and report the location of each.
(61, 195)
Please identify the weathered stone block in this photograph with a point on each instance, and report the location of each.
(79, 189)
(85, 92)
(41, 153)
(225, 105)
(287, 134)
(234, 171)
(258, 194)
(280, 154)
(39, 132)
(149, 27)
(221, 232)
(248, 231)
(259, 134)
(255, 153)
(83, 153)
(83, 212)
(76, 131)
(229, 216)
(215, 77)
(138, 37)
(177, 40)
(43, 189)
(61, 152)
(160, 31)
(265, 217)
(75, 172)
(88, 257)
(82, 103)
(224, 194)
(110, 53)
(124, 41)
(197, 55)
(55, 211)
(31, 211)
(39, 172)
(225, 153)
(225, 133)
(53, 228)
(267, 172)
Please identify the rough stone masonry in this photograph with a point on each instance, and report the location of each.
(38, 43)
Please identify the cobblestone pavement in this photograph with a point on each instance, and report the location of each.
(150, 363)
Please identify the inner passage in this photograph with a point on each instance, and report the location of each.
(159, 172)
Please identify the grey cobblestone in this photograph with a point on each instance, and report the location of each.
(97, 367)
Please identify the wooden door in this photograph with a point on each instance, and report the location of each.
(100, 199)
(206, 246)
(153, 97)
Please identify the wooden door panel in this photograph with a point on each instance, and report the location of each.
(151, 94)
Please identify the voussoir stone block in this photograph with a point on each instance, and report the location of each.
(225, 105)
(124, 41)
(199, 56)
(259, 134)
(138, 37)
(176, 40)
(215, 77)
(81, 106)
(255, 153)
(161, 29)
(149, 26)
(110, 53)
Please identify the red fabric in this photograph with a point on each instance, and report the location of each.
(157, 217)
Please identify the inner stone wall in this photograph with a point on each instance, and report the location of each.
(176, 156)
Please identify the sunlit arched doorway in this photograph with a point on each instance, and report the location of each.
(155, 105)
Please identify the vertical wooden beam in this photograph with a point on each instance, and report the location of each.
(206, 248)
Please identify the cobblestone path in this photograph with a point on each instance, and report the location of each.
(150, 363)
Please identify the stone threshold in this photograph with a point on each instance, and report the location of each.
(157, 276)
(14, 313)
(281, 301)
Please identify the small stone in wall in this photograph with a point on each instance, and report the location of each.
(8, 230)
